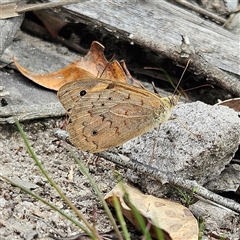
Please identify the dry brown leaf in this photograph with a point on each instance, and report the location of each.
(93, 65)
(173, 218)
(233, 103)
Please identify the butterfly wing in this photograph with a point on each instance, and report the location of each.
(105, 113)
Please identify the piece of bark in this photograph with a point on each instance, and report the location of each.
(9, 27)
(26, 100)
(37, 55)
(223, 217)
(159, 26)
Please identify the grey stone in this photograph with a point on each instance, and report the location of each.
(180, 152)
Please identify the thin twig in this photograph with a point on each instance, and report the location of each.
(40, 6)
(201, 11)
(174, 180)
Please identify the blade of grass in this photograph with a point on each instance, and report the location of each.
(121, 218)
(99, 194)
(139, 217)
(142, 223)
(188, 197)
(32, 153)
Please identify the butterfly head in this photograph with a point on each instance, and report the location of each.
(174, 100)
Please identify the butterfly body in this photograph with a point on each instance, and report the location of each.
(105, 113)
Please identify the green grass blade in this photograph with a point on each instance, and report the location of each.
(32, 153)
(99, 194)
(121, 218)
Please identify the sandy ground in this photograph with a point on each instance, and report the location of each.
(21, 216)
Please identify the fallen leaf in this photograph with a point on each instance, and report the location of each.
(175, 220)
(57, 79)
(93, 65)
(233, 103)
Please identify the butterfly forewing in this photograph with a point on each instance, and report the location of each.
(105, 113)
(70, 92)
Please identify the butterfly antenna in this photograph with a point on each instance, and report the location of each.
(154, 88)
(130, 79)
(110, 61)
(204, 85)
(185, 69)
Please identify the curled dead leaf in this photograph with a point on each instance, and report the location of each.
(233, 103)
(93, 65)
(56, 79)
(176, 221)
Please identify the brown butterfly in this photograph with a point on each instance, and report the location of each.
(105, 113)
